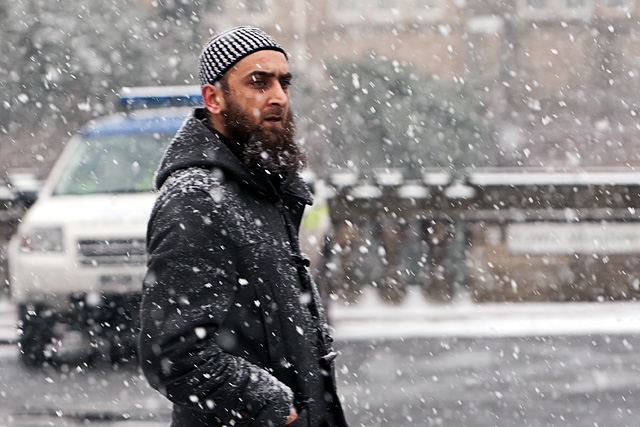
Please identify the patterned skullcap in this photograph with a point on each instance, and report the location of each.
(224, 50)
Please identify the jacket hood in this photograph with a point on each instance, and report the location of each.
(195, 145)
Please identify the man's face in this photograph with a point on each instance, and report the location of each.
(259, 85)
(256, 113)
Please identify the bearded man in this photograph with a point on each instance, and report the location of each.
(233, 331)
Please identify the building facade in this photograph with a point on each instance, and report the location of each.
(564, 74)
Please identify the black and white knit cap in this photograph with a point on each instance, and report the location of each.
(224, 50)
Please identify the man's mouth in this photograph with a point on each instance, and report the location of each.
(273, 120)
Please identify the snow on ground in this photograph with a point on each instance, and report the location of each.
(373, 318)
(8, 320)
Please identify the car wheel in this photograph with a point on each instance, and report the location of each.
(35, 333)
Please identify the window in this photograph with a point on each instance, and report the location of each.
(614, 8)
(536, 4)
(257, 12)
(386, 11)
(556, 9)
(345, 11)
(348, 5)
(113, 164)
(576, 4)
(387, 4)
(536, 9)
(256, 6)
(217, 6)
(424, 10)
(344, 6)
(580, 9)
(426, 4)
(616, 3)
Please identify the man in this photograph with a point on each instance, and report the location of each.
(233, 332)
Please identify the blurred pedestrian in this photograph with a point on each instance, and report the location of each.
(233, 330)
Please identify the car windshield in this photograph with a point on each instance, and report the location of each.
(113, 164)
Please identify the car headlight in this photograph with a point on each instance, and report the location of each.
(42, 240)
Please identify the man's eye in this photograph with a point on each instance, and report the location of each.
(285, 84)
(258, 83)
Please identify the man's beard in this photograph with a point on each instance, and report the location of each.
(273, 150)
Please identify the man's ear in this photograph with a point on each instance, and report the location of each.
(213, 99)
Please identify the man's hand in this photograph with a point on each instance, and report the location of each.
(293, 415)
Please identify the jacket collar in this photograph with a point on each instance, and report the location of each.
(196, 145)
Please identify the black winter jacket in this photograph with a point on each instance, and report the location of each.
(232, 328)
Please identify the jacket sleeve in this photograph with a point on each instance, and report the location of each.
(188, 289)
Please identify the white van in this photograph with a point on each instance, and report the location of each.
(78, 257)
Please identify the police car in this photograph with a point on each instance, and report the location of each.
(77, 261)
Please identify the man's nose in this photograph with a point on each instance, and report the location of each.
(278, 95)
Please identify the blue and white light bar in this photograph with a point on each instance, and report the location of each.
(134, 98)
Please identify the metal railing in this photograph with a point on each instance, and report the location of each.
(487, 234)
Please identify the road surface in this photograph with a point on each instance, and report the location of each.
(441, 377)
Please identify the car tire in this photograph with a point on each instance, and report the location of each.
(35, 333)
